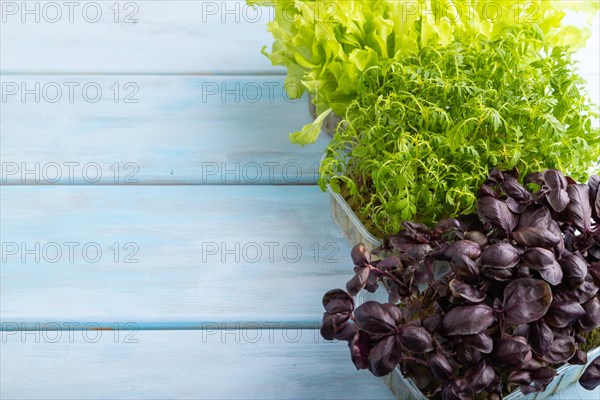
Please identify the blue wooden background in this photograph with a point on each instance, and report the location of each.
(178, 305)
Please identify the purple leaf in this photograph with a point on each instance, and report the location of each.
(580, 294)
(486, 191)
(446, 225)
(416, 231)
(535, 216)
(496, 176)
(594, 185)
(526, 300)
(361, 256)
(439, 366)
(467, 355)
(462, 247)
(328, 328)
(527, 389)
(521, 377)
(521, 330)
(523, 271)
(543, 376)
(478, 237)
(465, 269)
(590, 379)
(535, 177)
(512, 188)
(514, 206)
(468, 292)
(555, 179)
(533, 236)
(401, 243)
(360, 347)
(481, 342)
(432, 323)
(555, 230)
(480, 376)
(499, 274)
(511, 352)
(574, 268)
(594, 249)
(415, 338)
(337, 301)
(561, 314)
(543, 261)
(419, 251)
(561, 350)
(375, 319)
(346, 332)
(541, 337)
(359, 281)
(557, 183)
(499, 255)
(384, 356)
(468, 320)
(580, 358)
(497, 213)
(596, 205)
(591, 319)
(579, 209)
(445, 345)
(389, 263)
(558, 199)
(457, 389)
(397, 313)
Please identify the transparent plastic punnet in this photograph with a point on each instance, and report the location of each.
(345, 218)
(403, 388)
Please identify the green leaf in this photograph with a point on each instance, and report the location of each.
(310, 132)
(423, 133)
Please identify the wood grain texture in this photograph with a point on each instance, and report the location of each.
(181, 130)
(219, 254)
(235, 364)
(243, 364)
(576, 392)
(191, 37)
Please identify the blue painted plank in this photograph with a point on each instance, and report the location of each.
(153, 130)
(173, 256)
(241, 364)
(245, 364)
(191, 37)
(198, 36)
(576, 392)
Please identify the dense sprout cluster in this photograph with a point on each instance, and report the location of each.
(424, 132)
(481, 305)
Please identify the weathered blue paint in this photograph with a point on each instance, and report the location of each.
(176, 133)
(244, 364)
(185, 37)
(197, 251)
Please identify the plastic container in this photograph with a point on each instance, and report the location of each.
(355, 231)
(345, 218)
(330, 123)
(566, 376)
